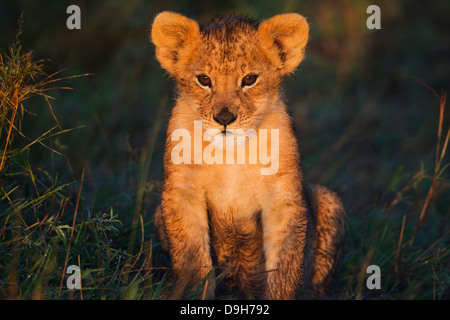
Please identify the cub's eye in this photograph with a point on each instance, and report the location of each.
(249, 80)
(204, 80)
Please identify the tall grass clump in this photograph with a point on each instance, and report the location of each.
(44, 225)
(406, 233)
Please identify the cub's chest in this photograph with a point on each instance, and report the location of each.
(232, 190)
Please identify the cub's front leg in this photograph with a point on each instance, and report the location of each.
(185, 221)
(286, 245)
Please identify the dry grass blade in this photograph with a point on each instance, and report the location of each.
(397, 254)
(440, 153)
(71, 232)
(21, 77)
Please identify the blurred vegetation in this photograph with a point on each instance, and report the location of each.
(80, 177)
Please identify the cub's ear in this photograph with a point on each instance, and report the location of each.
(288, 33)
(171, 32)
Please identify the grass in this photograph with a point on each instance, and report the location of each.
(67, 202)
(37, 239)
(395, 225)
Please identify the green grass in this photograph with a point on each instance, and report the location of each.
(81, 176)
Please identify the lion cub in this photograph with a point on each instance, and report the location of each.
(234, 198)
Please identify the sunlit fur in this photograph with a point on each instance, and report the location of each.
(270, 236)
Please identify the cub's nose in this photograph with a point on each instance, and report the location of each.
(225, 117)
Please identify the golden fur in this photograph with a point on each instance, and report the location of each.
(271, 236)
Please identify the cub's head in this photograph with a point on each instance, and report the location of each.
(230, 69)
